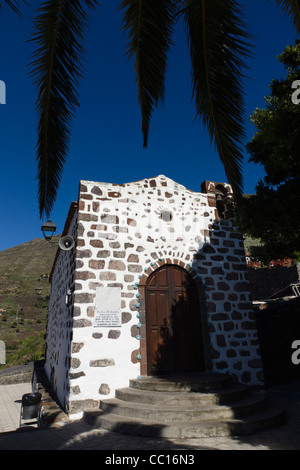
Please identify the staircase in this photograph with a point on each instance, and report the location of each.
(189, 406)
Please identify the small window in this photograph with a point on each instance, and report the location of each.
(166, 215)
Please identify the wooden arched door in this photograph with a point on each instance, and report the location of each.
(173, 322)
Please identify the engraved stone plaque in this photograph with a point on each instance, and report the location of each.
(108, 307)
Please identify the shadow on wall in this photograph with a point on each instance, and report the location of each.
(179, 304)
(52, 382)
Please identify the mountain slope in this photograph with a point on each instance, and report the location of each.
(22, 311)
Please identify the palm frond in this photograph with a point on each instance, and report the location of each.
(56, 68)
(149, 24)
(13, 4)
(217, 39)
(291, 8)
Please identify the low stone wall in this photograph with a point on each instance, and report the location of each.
(17, 374)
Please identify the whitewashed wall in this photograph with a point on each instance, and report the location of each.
(121, 239)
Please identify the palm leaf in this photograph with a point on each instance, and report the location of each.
(13, 4)
(56, 68)
(291, 8)
(216, 35)
(149, 25)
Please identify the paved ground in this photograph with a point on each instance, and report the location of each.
(10, 405)
(80, 436)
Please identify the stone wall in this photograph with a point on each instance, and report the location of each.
(60, 316)
(124, 233)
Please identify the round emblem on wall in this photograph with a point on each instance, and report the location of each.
(164, 214)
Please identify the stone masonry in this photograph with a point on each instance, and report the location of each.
(123, 233)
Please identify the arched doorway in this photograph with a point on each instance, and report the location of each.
(173, 322)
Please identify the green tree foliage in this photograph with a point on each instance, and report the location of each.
(273, 213)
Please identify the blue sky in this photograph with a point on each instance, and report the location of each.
(106, 142)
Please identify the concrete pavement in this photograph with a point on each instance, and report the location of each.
(70, 435)
(10, 405)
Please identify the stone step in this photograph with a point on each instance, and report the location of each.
(187, 406)
(220, 397)
(271, 416)
(189, 412)
(183, 383)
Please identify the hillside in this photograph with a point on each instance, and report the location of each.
(23, 311)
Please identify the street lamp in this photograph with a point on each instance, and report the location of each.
(48, 229)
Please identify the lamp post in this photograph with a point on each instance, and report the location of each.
(48, 229)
